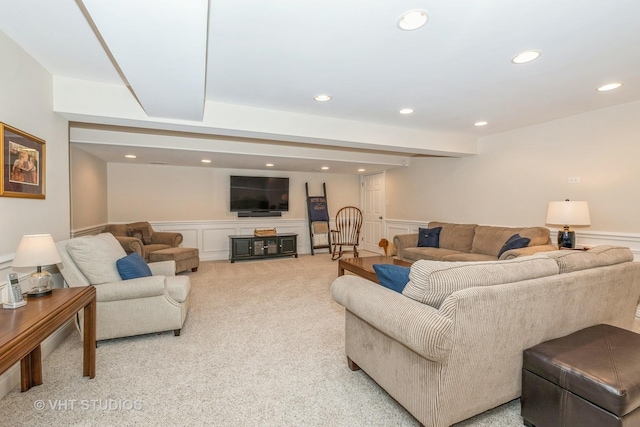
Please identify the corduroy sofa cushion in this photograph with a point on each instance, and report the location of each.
(599, 256)
(432, 281)
(96, 257)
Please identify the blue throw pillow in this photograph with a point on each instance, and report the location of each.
(514, 242)
(132, 266)
(394, 277)
(429, 237)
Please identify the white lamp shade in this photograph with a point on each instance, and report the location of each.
(36, 250)
(568, 212)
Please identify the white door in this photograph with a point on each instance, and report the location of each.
(373, 203)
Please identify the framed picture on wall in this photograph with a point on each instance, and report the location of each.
(23, 164)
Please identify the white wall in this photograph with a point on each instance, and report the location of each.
(174, 193)
(26, 104)
(194, 201)
(88, 189)
(517, 173)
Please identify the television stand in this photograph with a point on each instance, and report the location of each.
(254, 247)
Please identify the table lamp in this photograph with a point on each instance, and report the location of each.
(36, 250)
(568, 213)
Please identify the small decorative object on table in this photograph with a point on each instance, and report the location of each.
(265, 232)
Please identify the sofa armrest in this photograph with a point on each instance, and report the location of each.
(143, 287)
(418, 326)
(163, 268)
(403, 241)
(529, 250)
(131, 244)
(166, 238)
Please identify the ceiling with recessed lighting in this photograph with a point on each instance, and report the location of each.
(246, 73)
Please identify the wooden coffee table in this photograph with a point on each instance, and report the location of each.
(364, 266)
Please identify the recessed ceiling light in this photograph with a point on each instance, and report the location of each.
(480, 123)
(361, 170)
(406, 111)
(413, 19)
(130, 156)
(322, 98)
(269, 165)
(205, 161)
(526, 56)
(325, 168)
(610, 86)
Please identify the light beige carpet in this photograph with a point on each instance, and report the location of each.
(263, 345)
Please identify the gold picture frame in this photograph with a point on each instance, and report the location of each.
(23, 164)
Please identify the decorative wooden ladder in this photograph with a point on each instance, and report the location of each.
(318, 213)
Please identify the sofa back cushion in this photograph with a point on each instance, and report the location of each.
(458, 237)
(489, 240)
(96, 256)
(538, 235)
(432, 281)
(598, 256)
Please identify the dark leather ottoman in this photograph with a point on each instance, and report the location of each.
(588, 378)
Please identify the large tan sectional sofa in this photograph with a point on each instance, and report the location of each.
(450, 345)
(472, 242)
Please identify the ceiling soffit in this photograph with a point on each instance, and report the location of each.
(163, 61)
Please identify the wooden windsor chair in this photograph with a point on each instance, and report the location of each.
(347, 232)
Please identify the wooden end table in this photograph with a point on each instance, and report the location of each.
(23, 329)
(364, 266)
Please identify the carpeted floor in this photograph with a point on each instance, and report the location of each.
(263, 345)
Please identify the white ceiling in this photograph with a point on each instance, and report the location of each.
(277, 55)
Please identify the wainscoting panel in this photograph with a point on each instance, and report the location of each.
(215, 243)
(395, 229)
(191, 239)
(190, 234)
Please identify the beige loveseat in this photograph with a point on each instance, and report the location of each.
(140, 237)
(472, 242)
(124, 307)
(450, 346)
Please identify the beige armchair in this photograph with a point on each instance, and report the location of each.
(124, 307)
(139, 237)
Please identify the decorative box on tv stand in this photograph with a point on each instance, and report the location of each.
(265, 232)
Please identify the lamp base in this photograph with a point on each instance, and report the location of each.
(39, 284)
(566, 239)
(37, 293)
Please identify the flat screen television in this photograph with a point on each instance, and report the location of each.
(259, 194)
